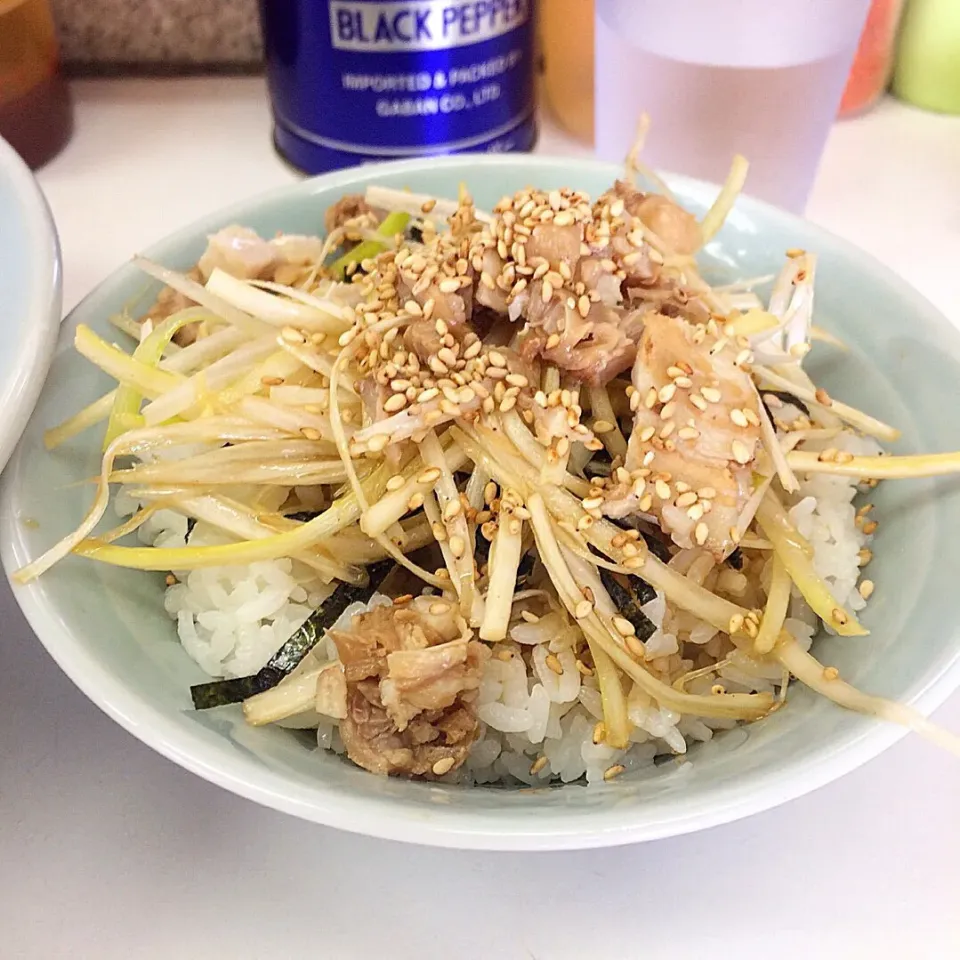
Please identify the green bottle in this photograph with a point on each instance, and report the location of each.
(927, 71)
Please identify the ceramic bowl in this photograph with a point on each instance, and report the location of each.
(107, 629)
(30, 295)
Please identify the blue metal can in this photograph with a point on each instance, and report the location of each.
(359, 80)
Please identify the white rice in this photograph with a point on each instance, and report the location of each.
(231, 620)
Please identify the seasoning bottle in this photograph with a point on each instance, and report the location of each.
(35, 114)
(358, 80)
(873, 63)
(928, 56)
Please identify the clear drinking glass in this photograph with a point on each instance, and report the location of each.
(718, 77)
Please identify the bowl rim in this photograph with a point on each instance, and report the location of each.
(43, 292)
(452, 827)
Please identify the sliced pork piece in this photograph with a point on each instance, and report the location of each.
(676, 227)
(347, 208)
(239, 251)
(695, 435)
(592, 345)
(411, 673)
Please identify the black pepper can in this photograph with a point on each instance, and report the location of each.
(360, 80)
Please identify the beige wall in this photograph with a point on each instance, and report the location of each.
(158, 34)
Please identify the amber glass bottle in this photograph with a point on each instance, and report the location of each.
(35, 115)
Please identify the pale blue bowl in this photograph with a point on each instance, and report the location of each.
(107, 629)
(30, 295)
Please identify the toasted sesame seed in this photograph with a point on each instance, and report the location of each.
(635, 563)
(395, 403)
(592, 503)
(599, 731)
(736, 624)
(688, 433)
(718, 689)
(711, 394)
(611, 773)
(443, 766)
(668, 410)
(271, 381)
(870, 527)
(741, 452)
(554, 664)
(430, 475)
(537, 765)
(738, 417)
(294, 336)
(624, 627)
(449, 285)
(666, 392)
(839, 616)
(686, 499)
(583, 669)
(698, 401)
(864, 556)
(517, 380)
(170, 580)
(701, 533)
(662, 489)
(823, 397)
(830, 673)
(636, 647)
(866, 589)
(583, 609)
(415, 502)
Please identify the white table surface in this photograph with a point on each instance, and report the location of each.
(108, 850)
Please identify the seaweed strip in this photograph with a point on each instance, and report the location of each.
(786, 398)
(218, 693)
(656, 546)
(628, 602)
(481, 548)
(303, 516)
(736, 559)
(524, 570)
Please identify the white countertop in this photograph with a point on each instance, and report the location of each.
(108, 850)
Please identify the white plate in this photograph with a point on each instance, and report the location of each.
(30, 295)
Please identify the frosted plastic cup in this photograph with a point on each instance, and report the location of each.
(718, 77)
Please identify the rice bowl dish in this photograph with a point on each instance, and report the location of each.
(534, 723)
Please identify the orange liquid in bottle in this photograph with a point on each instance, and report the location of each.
(566, 37)
(35, 115)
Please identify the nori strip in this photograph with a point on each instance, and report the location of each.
(304, 516)
(481, 549)
(218, 693)
(599, 465)
(656, 546)
(415, 232)
(524, 569)
(736, 559)
(191, 523)
(786, 398)
(628, 601)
